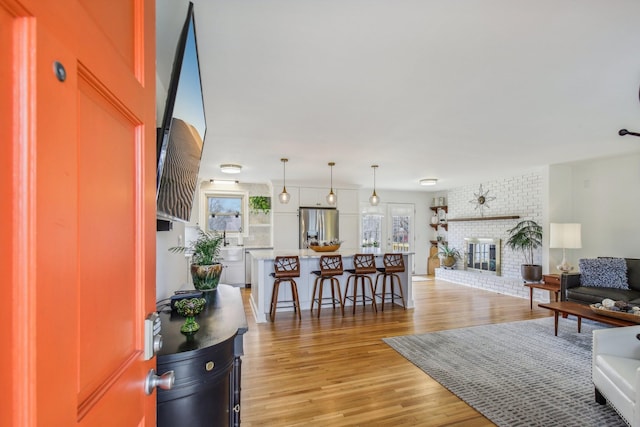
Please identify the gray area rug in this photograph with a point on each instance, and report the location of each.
(515, 374)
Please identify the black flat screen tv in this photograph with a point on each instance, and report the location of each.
(181, 137)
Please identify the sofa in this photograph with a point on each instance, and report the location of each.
(615, 371)
(599, 278)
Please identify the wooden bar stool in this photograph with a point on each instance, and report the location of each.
(363, 265)
(285, 269)
(393, 264)
(330, 267)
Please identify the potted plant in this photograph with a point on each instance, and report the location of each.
(260, 203)
(206, 267)
(449, 256)
(525, 237)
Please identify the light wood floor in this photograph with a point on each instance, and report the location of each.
(337, 371)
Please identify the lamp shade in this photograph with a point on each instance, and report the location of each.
(566, 236)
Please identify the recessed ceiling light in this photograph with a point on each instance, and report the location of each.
(428, 181)
(230, 168)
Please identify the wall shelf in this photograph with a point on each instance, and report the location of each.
(484, 218)
(435, 208)
(440, 224)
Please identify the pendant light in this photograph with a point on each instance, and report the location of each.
(331, 197)
(284, 196)
(374, 199)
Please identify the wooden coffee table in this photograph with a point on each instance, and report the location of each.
(581, 311)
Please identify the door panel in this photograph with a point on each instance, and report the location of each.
(81, 227)
(105, 163)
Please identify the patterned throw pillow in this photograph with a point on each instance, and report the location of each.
(603, 272)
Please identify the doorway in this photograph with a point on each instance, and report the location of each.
(389, 226)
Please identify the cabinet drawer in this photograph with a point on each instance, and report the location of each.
(209, 365)
(551, 279)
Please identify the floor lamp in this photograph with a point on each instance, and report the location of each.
(565, 236)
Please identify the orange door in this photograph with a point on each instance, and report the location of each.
(77, 180)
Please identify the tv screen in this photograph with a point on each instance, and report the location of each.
(181, 137)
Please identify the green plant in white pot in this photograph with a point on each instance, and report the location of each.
(526, 236)
(206, 267)
(449, 256)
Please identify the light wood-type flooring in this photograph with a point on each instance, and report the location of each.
(337, 371)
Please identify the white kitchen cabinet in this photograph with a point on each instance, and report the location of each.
(232, 273)
(285, 231)
(294, 200)
(315, 197)
(232, 265)
(348, 202)
(349, 230)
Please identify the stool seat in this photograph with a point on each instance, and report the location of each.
(364, 265)
(286, 268)
(393, 264)
(330, 267)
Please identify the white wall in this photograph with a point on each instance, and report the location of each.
(523, 196)
(172, 270)
(606, 201)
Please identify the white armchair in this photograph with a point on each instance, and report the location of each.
(616, 370)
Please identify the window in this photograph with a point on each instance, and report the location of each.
(225, 212)
(371, 230)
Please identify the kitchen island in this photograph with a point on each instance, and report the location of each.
(262, 282)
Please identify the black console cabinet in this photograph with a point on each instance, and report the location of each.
(207, 366)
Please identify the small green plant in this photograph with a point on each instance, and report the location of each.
(525, 237)
(206, 249)
(260, 203)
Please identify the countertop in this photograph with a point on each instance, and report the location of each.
(310, 253)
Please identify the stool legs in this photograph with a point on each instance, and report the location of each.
(383, 295)
(318, 291)
(362, 278)
(274, 297)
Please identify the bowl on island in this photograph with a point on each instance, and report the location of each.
(325, 246)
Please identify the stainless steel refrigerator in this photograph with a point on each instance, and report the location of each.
(318, 223)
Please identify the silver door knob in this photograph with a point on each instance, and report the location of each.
(164, 381)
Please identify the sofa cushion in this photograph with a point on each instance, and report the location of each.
(633, 273)
(603, 272)
(592, 294)
(621, 371)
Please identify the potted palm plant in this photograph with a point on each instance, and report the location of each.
(525, 237)
(206, 267)
(449, 256)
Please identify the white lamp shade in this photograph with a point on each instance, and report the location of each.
(566, 236)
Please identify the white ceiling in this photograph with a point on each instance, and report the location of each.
(459, 90)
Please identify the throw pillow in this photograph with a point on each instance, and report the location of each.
(603, 272)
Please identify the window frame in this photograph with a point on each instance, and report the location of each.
(204, 209)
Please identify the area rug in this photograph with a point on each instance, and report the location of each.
(515, 374)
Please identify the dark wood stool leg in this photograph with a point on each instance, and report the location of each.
(274, 299)
(400, 291)
(335, 282)
(373, 294)
(313, 295)
(296, 300)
